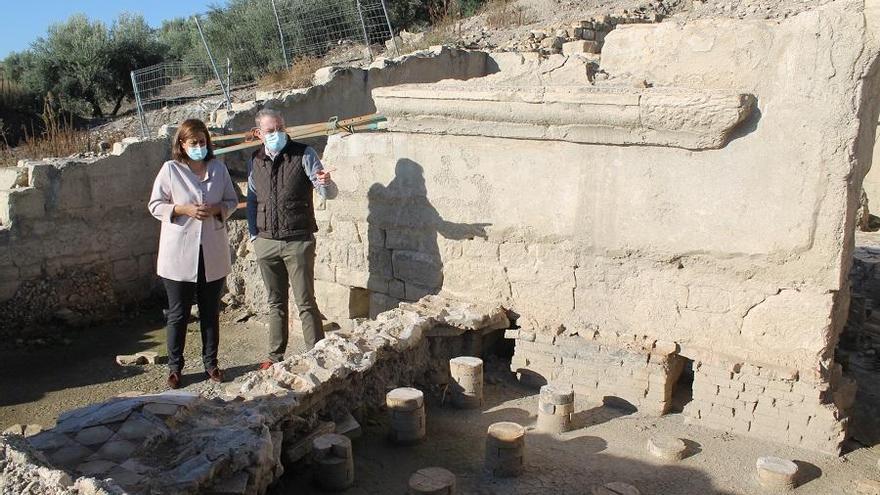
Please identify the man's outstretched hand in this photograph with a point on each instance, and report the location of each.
(323, 176)
(461, 231)
(479, 229)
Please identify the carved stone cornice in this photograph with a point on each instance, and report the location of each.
(682, 118)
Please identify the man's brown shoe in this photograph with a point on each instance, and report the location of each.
(266, 364)
(174, 380)
(215, 374)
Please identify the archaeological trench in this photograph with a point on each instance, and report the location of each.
(684, 203)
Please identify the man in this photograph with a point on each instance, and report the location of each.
(282, 176)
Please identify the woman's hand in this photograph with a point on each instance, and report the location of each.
(212, 210)
(199, 212)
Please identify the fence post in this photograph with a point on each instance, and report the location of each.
(213, 64)
(280, 35)
(364, 27)
(140, 107)
(228, 73)
(390, 29)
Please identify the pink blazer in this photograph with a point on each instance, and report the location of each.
(181, 236)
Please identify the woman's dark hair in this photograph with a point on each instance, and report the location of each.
(188, 129)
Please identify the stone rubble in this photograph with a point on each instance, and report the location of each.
(152, 357)
(585, 36)
(179, 442)
(130, 360)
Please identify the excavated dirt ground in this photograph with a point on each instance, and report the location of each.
(37, 383)
(610, 445)
(44, 376)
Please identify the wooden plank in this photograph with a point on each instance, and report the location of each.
(330, 124)
(372, 126)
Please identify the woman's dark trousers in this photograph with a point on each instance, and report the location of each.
(180, 300)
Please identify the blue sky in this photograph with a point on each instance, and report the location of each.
(22, 21)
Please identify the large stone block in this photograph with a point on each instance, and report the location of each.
(333, 299)
(417, 268)
(695, 119)
(74, 189)
(21, 205)
(482, 279)
(410, 239)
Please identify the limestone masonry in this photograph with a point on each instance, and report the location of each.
(682, 204)
(690, 204)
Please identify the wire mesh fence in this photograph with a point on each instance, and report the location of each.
(173, 83)
(246, 39)
(246, 33)
(312, 29)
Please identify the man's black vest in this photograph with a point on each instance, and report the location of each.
(285, 208)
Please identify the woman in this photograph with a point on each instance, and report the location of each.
(193, 196)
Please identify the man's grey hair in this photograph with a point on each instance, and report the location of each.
(269, 112)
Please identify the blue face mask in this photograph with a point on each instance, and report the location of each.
(197, 153)
(275, 141)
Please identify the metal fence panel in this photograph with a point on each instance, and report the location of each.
(172, 83)
(246, 33)
(311, 29)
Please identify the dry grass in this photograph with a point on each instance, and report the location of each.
(11, 93)
(59, 139)
(299, 75)
(502, 14)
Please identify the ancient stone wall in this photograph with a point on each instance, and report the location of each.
(76, 239)
(624, 372)
(694, 205)
(344, 93)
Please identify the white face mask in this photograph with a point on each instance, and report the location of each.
(197, 153)
(275, 141)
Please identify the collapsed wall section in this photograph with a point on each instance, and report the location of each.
(706, 211)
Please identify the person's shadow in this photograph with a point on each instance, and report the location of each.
(404, 252)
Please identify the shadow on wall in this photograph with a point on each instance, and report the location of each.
(746, 127)
(403, 227)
